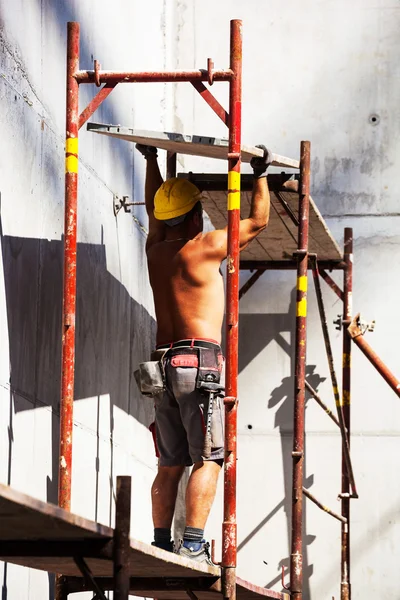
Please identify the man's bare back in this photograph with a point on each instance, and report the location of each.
(188, 289)
(184, 265)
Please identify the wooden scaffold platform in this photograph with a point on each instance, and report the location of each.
(43, 536)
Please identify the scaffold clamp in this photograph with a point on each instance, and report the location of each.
(358, 326)
(338, 323)
(119, 203)
(365, 325)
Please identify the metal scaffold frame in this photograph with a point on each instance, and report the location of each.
(302, 261)
(74, 121)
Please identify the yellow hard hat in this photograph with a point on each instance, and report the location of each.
(174, 198)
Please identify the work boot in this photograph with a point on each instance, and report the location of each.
(168, 546)
(200, 552)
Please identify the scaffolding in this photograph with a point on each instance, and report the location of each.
(89, 556)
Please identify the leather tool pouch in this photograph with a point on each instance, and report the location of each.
(150, 376)
(209, 375)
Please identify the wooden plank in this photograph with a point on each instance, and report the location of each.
(25, 518)
(145, 561)
(279, 240)
(195, 145)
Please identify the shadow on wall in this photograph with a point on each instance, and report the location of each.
(113, 333)
(256, 332)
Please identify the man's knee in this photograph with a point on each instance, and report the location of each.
(211, 464)
(170, 473)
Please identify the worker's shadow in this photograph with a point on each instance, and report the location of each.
(113, 333)
(256, 332)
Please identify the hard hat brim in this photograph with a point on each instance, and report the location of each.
(178, 212)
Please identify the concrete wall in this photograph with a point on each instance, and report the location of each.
(318, 70)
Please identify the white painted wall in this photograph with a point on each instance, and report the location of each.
(314, 70)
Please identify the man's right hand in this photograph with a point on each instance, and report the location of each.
(260, 164)
(147, 151)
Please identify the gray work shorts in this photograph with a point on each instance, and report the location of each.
(181, 413)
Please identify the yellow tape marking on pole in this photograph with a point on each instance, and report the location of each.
(338, 401)
(71, 146)
(346, 360)
(71, 158)
(302, 308)
(346, 398)
(71, 164)
(233, 190)
(302, 283)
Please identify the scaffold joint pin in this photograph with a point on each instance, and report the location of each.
(97, 68)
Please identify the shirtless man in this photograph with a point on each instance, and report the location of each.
(184, 269)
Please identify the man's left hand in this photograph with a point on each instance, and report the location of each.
(260, 164)
(147, 151)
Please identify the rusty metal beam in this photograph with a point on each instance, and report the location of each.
(311, 497)
(95, 103)
(69, 281)
(332, 284)
(211, 101)
(345, 585)
(356, 335)
(322, 404)
(229, 527)
(332, 371)
(121, 538)
(171, 164)
(115, 77)
(88, 577)
(296, 556)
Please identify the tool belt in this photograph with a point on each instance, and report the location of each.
(150, 376)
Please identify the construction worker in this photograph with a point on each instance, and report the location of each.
(184, 270)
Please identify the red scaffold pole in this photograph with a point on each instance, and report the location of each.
(69, 284)
(345, 586)
(296, 557)
(229, 540)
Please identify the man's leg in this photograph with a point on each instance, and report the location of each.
(163, 497)
(200, 492)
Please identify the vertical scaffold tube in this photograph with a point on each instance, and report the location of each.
(296, 558)
(345, 589)
(229, 542)
(69, 285)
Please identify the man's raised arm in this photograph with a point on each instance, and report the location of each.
(152, 182)
(259, 211)
(260, 201)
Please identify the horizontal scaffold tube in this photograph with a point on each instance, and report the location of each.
(150, 76)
